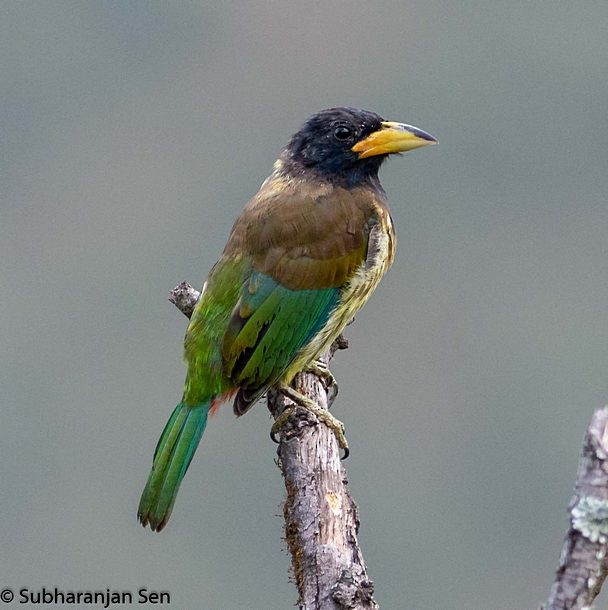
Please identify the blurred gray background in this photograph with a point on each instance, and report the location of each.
(133, 134)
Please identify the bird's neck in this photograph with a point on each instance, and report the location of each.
(361, 175)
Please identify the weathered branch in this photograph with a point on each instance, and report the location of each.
(321, 518)
(583, 562)
(184, 297)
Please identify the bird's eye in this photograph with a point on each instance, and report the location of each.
(342, 133)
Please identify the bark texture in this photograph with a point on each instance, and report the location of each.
(583, 562)
(321, 518)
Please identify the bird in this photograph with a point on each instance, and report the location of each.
(302, 258)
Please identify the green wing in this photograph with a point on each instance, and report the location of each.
(268, 328)
(290, 254)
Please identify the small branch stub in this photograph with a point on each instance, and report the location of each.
(321, 518)
(184, 297)
(583, 562)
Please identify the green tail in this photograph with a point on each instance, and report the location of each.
(172, 457)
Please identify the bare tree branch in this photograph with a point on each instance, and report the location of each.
(321, 518)
(583, 562)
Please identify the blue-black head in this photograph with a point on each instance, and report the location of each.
(347, 145)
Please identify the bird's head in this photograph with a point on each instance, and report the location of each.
(347, 145)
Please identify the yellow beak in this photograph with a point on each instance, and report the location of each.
(392, 138)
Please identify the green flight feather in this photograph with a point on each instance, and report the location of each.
(172, 457)
(269, 327)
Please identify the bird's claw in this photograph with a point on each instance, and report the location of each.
(334, 424)
(280, 421)
(321, 370)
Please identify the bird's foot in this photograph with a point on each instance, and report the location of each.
(321, 370)
(335, 425)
